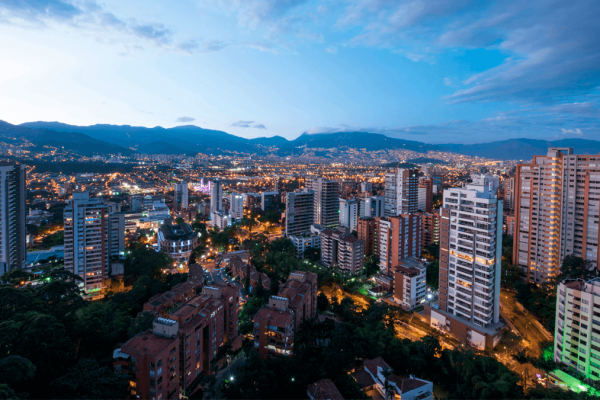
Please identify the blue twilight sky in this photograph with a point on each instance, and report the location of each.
(428, 70)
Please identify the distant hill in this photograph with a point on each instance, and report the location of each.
(80, 143)
(190, 139)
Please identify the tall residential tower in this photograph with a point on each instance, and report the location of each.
(13, 246)
(557, 199)
(401, 192)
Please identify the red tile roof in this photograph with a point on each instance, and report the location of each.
(147, 342)
(324, 389)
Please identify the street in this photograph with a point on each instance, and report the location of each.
(522, 320)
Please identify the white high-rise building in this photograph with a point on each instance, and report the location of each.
(13, 244)
(216, 196)
(91, 238)
(471, 249)
(236, 205)
(401, 192)
(366, 187)
(349, 213)
(576, 334)
(181, 196)
(372, 206)
(327, 201)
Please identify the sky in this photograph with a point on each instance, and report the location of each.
(429, 70)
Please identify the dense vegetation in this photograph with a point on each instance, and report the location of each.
(58, 345)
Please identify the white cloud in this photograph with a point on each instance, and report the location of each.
(572, 131)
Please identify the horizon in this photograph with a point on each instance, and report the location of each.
(301, 134)
(419, 69)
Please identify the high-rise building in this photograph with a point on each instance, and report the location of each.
(372, 206)
(268, 200)
(557, 199)
(216, 196)
(349, 213)
(181, 196)
(509, 193)
(367, 232)
(401, 192)
(327, 201)
(299, 212)
(236, 209)
(425, 195)
(342, 250)
(431, 227)
(399, 237)
(470, 257)
(576, 333)
(366, 187)
(93, 235)
(13, 244)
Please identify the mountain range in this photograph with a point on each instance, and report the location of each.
(190, 139)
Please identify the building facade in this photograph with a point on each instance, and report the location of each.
(91, 239)
(372, 206)
(401, 192)
(236, 209)
(216, 196)
(177, 241)
(425, 195)
(577, 329)
(342, 250)
(470, 264)
(327, 201)
(509, 193)
(431, 227)
(13, 243)
(299, 212)
(399, 238)
(181, 196)
(556, 212)
(164, 361)
(268, 200)
(410, 287)
(367, 232)
(276, 323)
(349, 213)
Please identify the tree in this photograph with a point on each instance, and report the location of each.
(432, 274)
(179, 221)
(141, 323)
(322, 302)
(432, 251)
(15, 370)
(88, 380)
(574, 267)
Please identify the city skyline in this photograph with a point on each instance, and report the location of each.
(417, 70)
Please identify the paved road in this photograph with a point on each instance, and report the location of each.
(522, 320)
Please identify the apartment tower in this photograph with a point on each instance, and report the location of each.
(299, 212)
(91, 238)
(557, 201)
(181, 196)
(401, 192)
(327, 201)
(470, 260)
(216, 196)
(13, 246)
(399, 238)
(349, 213)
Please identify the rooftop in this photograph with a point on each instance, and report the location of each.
(324, 389)
(177, 232)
